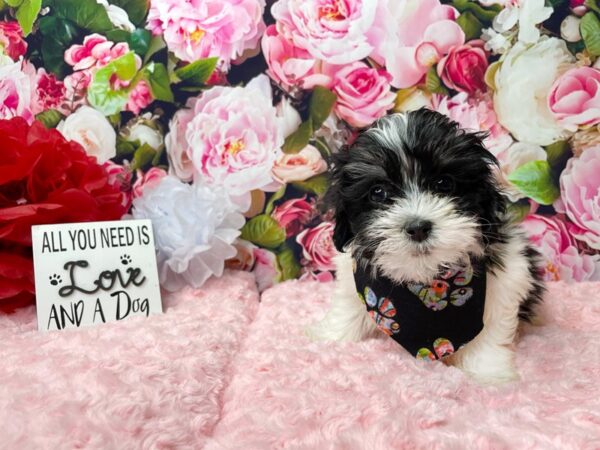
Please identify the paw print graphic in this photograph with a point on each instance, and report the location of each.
(125, 260)
(451, 287)
(55, 279)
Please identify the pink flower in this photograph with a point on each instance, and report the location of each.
(575, 98)
(463, 68)
(11, 40)
(475, 114)
(290, 66)
(293, 215)
(580, 196)
(266, 269)
(120, 176)
(96, 51)
(363, 94)
(321, 277)
(562, 261)
(244, 259)
(317, 246)
(336, 31)
(139, 97)
(49, 93)
(195, 29)
(420, 33)
(178, 149)
(76, 85)
(147, 180)
(232, 135)
(300, 166)
(17, 85)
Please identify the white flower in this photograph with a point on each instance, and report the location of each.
(195, 227)
(569, 29)
(527, 14)
(511, 159)
(145, 130)
(290, 118)
(523, 82)
(117, 16)
(93, 131)
(495, 42)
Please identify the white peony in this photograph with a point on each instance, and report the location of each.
(195, 227)
(511, 159)
(523, 82)
(93, 131)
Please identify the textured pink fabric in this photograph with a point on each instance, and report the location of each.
(148, 383)
(287, 392)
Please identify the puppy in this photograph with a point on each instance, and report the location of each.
(417, 208)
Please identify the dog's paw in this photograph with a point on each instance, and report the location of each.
(492, 366)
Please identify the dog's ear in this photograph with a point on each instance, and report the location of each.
(342, 233)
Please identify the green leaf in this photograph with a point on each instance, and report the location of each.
(27, 13)
(534, 179)
(58, 34)
(124, 147)
(317, 185)
(50, 118)
(590, 31)
(157, 43)
(470, 24)
(86, 14)
(290, 269)
(298, 139)
(276, 196)
(143, 157)
(263, 231)
(13, 3)
(135, 9)
(593, 5)
(157, 77)
(198, 72)
(556, 152)
(320, 106)
(100, 93)
(433, 83)
(487, 14)
(139, 41)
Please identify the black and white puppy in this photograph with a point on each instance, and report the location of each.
(415, 193)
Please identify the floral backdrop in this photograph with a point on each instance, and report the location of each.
(215, 119)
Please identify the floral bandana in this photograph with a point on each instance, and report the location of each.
(429, 320)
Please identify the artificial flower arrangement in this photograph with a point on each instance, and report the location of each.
(215, 118)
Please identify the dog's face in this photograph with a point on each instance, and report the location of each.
(414, 192)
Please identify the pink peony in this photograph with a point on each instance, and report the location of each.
(575, 98)
(580, 196)
(147, 180)
(293, 215)
(289, 65)
(17, 86)
(195, 29)
(11, 40)
(336, 31)
(317, 246)
(49, 92)
(562, 261)
(232, 135)
(463, 68)
(475, 114)
(420, 33)
(363, 93)
(300, 166)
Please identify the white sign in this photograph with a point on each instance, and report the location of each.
(95, 272)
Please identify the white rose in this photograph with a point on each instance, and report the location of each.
(300, 166)
(93, 131)
(569, 29)
(523, 82)
(517, 155)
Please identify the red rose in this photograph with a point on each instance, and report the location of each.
(11, 38)
(464, 67)
(44, 179)
(317, 246)
(292, 214)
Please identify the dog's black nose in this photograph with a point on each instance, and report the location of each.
(419, 230)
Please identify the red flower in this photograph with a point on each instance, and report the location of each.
(464, 67)
(43, 179)
(11, 38)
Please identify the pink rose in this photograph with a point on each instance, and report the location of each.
(550, 237)
(17, 85)
(335, 31)
(11, 40)
(290, 66)
(147, 180)
(300, 166)
(232, 135)
(363, 94)
(178, 149)
(293, 215)
(575, 98)
(120, 176)
(195, 29)
(580, 196)
(463, 68)
(317, 246)
(139, 97)
(49, 92)
(266, 269)
(419, 33)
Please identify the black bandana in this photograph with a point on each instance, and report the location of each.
(429, 320)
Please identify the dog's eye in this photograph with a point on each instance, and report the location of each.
(443, 184)
(378, 194)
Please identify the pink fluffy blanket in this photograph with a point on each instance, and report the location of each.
(219, 370)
